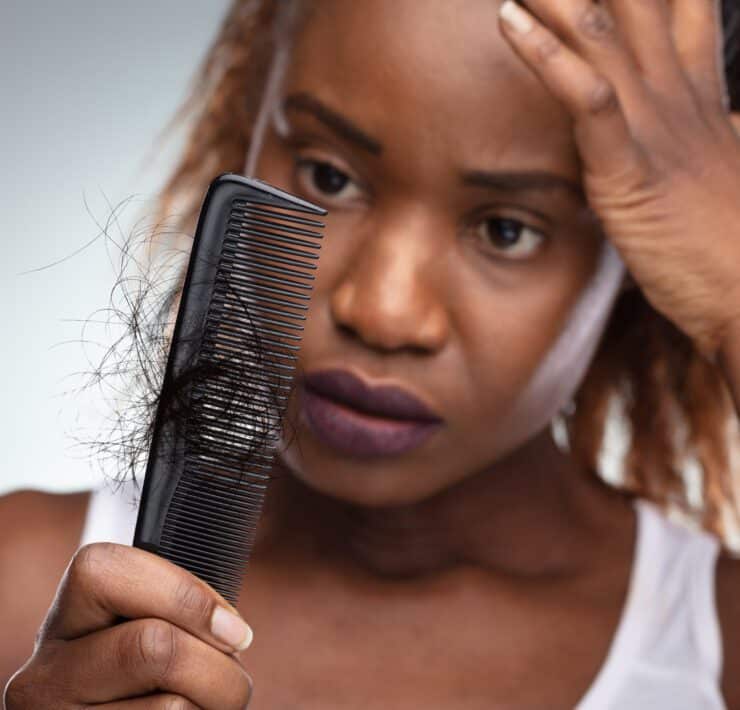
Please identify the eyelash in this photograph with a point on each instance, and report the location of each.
(301, 163)
(510, 254)
(534, 244)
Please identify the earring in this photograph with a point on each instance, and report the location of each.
(559, 427)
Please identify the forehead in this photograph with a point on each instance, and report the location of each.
(438, 72)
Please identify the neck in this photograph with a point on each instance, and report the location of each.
(527, 515)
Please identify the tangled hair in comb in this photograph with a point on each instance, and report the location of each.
(680, 442)
(731, 29)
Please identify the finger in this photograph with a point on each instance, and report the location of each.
(106, 581)
(591, 32)
(148, 655)
(646, 28)
(160, 701)
(697, 28)
(604, 139)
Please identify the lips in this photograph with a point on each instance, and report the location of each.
(386, 401)
(359, 420)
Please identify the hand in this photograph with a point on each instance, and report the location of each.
(645, 86)
(165, 649)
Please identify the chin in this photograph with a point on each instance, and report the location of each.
(372, 484)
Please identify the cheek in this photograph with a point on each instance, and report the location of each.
(506, 331)
(560, 372)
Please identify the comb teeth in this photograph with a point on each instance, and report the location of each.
(244, 316)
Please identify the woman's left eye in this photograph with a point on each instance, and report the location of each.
(323, 179)
(510, 238)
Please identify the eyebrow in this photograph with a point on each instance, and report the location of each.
(523, 181)
(339, 124)
(504, 180)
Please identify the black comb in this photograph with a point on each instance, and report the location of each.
(229, 372)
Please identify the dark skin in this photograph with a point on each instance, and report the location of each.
(460, 574)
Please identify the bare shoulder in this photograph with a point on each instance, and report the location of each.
(728, 610)
(39, 533)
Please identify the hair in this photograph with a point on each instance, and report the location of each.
(671, 401)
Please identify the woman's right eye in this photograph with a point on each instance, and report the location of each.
(322, 179)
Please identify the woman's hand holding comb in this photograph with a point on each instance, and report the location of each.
(130, 630)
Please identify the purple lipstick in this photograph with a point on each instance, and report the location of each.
(363, 420)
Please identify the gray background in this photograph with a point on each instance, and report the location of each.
(87, 85)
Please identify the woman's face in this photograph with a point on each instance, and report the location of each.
(457, 239)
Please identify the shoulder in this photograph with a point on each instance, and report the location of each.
(728, 611)
(43, 524)
(39, 533)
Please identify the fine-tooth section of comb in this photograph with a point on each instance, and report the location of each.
(229, 373)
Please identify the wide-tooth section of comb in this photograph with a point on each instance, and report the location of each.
(232, 365)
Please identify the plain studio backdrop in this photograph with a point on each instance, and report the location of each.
(87, 86)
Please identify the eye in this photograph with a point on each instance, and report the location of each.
(321, 178)
(510, 238)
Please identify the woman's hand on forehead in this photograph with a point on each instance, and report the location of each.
(644, 83)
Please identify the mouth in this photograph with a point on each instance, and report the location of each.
(362, 421)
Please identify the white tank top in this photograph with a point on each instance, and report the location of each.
(666, 653)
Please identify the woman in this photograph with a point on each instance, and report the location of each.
(486, 170)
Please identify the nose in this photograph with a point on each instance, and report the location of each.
(391, 292)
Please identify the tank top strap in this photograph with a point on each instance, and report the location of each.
(683, 633)
(682, 579)
(667, 649)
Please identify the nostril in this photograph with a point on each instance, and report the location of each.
(417, 339)
(347, 331)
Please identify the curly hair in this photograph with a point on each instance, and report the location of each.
(679, 424)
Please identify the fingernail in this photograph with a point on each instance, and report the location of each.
(231, 629)
(515, 17)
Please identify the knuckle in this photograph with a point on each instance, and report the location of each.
(602, 98)
(547, 47)
(191, 599)
(18, 694)
(38, 682)
(595, 22)
(155, 647)
(84, 561)
(89, 560)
